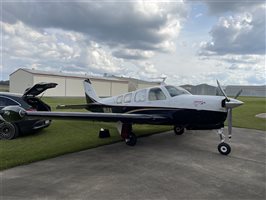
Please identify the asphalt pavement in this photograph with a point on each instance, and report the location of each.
(162, 166)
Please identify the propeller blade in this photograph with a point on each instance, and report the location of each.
(221, 89)
(237, 95)
(229, 121)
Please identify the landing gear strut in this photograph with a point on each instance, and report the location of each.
(125, 130)
(223, 147)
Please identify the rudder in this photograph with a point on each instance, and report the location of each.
(91, 96)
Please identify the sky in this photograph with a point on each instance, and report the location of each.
(186, 41)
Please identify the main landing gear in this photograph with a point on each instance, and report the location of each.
(179, 130)
(223, 147)
(125, 130)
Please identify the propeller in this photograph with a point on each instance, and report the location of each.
(230, 104)
(237, 95)
(223, 92)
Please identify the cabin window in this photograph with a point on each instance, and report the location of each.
(156, 94)
(127, 98)
(119, 99)
(174, 91)
(140, 96)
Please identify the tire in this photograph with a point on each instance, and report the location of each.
(224, 148)
(8, 131)
(179, 130)
(131, 140)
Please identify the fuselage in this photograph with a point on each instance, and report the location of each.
(180, 107)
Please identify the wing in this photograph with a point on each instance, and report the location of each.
(16, 113)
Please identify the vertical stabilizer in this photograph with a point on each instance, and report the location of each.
(91, 96)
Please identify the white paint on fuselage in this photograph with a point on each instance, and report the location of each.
(183, 101)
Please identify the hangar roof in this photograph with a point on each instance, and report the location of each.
(63, 74)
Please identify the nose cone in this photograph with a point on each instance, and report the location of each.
(233, 103)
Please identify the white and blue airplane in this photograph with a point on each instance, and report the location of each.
(159, 105)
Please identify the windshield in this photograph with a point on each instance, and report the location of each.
(175, 91)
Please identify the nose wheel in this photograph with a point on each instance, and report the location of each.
(224, 148)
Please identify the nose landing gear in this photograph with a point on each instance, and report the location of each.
(223, 147)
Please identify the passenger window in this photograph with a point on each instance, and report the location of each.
(2, 102)
(127, 98)
(7, 102)
(156, 94)
(140, 96)
(119, 99)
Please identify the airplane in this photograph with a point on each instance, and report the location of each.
(159, 105)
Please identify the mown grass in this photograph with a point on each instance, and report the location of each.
(63, 137)
(244, 116)
(71, 136)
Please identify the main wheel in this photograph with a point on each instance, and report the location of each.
(8, 131)
(179, 130)
(131, 140)
(224, 148)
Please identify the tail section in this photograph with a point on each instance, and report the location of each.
(91, 96)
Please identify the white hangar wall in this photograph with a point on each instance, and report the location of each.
(20, 81)
(60, 89)
(71, 86)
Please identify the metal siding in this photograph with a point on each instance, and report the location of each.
(58, 91)
(102, 88)
(118, 88)
(20, 81)
(74, 87)
(145, 85)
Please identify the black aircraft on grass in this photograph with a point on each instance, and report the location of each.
(159, 105)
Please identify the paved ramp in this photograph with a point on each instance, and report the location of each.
(163, 166)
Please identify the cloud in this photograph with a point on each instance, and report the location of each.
(53, 50)
(95, 36)
(137, 25)
(239, 34)
(198, 15)
(133, 54)
(222, 6)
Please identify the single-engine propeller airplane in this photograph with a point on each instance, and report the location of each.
(164, 105)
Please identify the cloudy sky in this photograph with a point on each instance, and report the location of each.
(186, 41)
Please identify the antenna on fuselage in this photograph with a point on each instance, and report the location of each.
(163, 80)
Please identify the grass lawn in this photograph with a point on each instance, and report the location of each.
(63, 137)
(244, 116)
(70, 136)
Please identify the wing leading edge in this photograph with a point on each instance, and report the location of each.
(16, 113)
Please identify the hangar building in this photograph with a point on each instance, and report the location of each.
(68, 85)
(251, 91)
(135, 84)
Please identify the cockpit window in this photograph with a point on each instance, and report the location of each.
(156, 94)
(175, 91)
